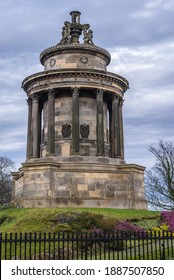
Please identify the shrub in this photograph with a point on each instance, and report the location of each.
(86, 220)
(80, 220)
(168, 218)
(128, 227)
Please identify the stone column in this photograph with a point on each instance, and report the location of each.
(115, 133)
(51, 122)
(29, 130)
(121, 128)
(100, 123)
(75, 121)
(40, 125)
(35, 126)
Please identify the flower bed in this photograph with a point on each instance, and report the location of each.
(167, 217)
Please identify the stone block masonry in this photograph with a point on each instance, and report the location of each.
(82, 184)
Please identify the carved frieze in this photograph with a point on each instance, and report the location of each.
(39, 80)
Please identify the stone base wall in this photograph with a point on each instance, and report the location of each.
(78, 183)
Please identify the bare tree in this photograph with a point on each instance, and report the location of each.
(6, 165)
(159, 181)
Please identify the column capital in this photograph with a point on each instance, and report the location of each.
(35, 97)
(121, 101)
(29, 101)
(115, 99)
(75, 91)
(100, 92)
(51, 93)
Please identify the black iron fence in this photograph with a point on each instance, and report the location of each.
(87, 246)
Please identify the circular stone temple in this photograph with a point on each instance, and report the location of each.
(75, 144)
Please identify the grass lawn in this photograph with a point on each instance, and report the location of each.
(45, 219)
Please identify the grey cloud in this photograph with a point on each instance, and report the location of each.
(113, 22)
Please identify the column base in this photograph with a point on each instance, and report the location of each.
(50, 154)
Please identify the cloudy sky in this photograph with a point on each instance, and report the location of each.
(138, 33)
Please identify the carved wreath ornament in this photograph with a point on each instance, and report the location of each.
(84, 130)
(66, 130)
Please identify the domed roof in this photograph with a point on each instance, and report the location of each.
(69, 46)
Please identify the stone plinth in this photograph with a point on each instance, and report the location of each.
(79, 182)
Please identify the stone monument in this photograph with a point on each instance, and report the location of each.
(75, 145)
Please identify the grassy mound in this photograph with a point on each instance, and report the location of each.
(71, 219)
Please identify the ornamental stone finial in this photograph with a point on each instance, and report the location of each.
(75, 17)
(71, 31)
